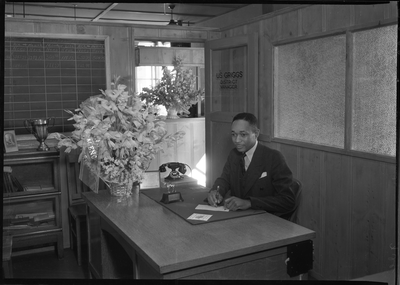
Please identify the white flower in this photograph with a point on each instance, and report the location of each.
(118, 135)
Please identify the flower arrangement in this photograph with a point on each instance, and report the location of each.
(118, 135)
(175, 90)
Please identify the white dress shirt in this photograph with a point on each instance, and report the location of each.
(249, 155)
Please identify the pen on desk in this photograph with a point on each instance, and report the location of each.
(217, 195)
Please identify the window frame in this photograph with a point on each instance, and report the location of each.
(347, 150)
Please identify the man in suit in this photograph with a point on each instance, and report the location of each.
(254, 176)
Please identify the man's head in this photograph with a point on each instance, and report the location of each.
(244, 131)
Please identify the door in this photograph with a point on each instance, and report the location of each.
(231, 68)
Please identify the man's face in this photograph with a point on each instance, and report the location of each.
(243, 135)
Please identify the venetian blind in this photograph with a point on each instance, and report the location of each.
(44, 76)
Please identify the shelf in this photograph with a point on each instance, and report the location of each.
(32, 200)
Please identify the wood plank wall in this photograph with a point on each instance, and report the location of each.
(348, 200)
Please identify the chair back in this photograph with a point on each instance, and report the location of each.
(75, 186)
(292, 215)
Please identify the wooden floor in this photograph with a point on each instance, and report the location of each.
(46, 265)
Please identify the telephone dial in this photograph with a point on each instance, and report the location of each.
(174, 174)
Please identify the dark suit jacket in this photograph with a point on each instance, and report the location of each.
(272, 193)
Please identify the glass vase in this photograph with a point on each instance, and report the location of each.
(172, 113)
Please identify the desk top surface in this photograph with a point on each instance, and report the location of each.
(169, 243)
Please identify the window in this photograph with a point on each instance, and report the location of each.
(310, 91)
(374, 95)
(147, 76)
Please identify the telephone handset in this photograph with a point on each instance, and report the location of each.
(174, 174)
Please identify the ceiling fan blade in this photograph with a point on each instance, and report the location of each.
(172, 23)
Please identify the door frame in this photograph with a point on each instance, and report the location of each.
(214, 159)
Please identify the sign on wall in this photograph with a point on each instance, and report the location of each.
(229, 80)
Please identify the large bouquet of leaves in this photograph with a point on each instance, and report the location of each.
(118, 135)
(176, 89)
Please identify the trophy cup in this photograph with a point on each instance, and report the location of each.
(38, 128)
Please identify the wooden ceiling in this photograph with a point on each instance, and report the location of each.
(184, 14)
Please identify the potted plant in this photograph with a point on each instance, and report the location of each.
(118, 136)
(176, 90)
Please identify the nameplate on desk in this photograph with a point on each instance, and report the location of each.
(171, 197)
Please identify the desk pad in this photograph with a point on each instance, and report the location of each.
(191, 198)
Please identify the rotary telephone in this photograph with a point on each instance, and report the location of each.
(174, 174)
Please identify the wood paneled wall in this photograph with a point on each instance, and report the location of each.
(350, 203)
(348, 200)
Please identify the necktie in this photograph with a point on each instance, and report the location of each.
(242, 165)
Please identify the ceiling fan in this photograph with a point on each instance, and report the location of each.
(172, 22)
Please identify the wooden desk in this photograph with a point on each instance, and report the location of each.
(387, 277)
(136, 237)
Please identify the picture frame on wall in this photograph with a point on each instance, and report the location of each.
(10, 141)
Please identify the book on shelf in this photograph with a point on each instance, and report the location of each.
(37, 187)
(32, 188)
(29, 215)
(7, 168)
(16, 227)
(10, 182)
(17, 184)
(20, 221)
(6, 184)
(44, 218)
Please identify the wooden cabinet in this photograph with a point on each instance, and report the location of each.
(32, 211)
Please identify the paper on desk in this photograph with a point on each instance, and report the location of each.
(200, 217)
(211, 208)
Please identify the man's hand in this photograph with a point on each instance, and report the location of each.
(235, 203)
(214, 198)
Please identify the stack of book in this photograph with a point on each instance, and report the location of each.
(22, 221)
(12, 185)
(10, 182)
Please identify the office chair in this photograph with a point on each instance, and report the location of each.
(77, 206)
(292, 215)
